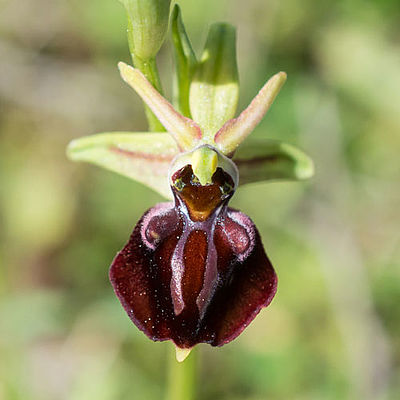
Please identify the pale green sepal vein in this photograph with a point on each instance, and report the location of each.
(267, 160)
(144, 157)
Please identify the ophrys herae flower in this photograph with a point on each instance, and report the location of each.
(194, 270)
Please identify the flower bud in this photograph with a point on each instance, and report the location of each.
(148, 25)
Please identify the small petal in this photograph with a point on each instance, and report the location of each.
(186, 132)
(228, 138)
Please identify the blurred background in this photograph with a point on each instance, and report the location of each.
(333, 330)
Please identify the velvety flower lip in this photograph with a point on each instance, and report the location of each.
(194, 277)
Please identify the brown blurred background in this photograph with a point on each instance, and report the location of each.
(332, 331)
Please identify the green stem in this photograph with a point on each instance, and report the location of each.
(150, 71)
(181, 377)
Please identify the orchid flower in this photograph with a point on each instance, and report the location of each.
(194, 270)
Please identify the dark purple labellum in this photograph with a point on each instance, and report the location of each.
(194, 271)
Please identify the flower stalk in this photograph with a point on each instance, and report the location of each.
(181, 379)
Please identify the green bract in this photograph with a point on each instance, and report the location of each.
(185, 62)
(206, 91)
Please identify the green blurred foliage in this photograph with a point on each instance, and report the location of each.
(332, 331)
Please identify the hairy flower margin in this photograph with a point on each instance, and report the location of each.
(194, 270)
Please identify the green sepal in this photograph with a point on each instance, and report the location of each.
(143, 157)
(185, 62)
(214, 91)
(267, 160)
